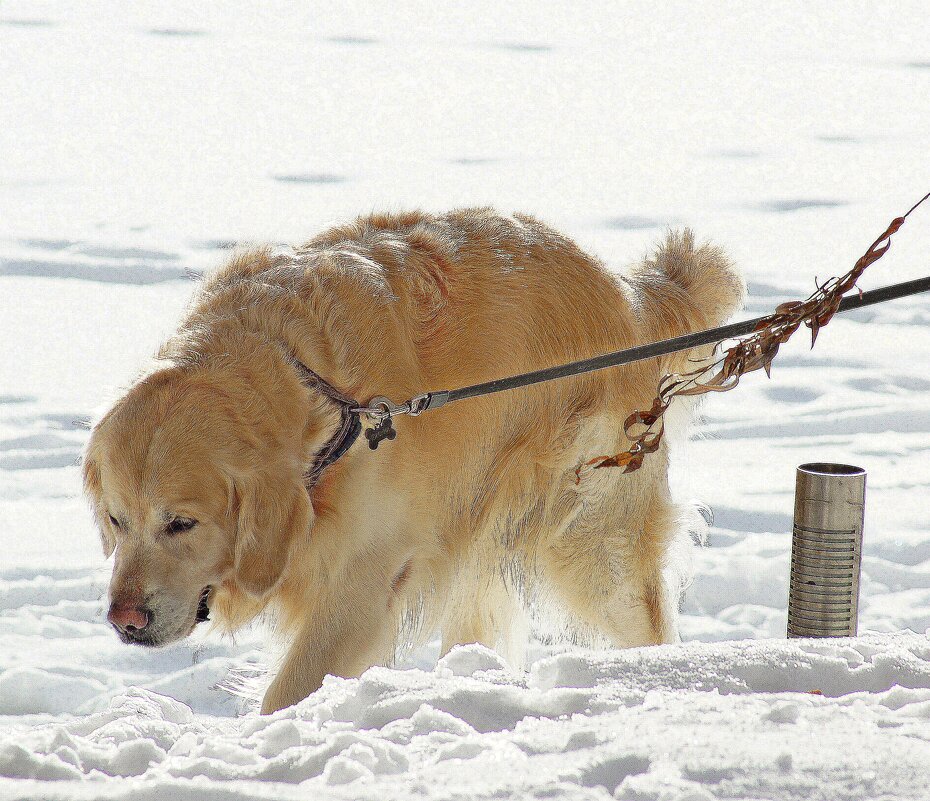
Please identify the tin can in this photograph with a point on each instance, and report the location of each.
(826, 551)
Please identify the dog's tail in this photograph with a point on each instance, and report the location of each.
(683, 288)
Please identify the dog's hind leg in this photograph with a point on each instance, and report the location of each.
(609, 574)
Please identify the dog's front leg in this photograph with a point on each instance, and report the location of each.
(350, 629)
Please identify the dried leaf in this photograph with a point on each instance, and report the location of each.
(753, 352)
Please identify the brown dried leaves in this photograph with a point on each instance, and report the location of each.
(753, 352)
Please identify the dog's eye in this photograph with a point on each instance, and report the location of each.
(114, 521)
(180, 524)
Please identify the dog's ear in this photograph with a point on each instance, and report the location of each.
(93, 489)
(270, 515)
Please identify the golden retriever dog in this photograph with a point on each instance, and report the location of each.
(200, 474)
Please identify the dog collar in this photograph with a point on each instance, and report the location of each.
(346, 434)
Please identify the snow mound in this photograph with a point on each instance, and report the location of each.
(579, 724)
(829, 667)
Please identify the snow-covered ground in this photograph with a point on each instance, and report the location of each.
(137, 140)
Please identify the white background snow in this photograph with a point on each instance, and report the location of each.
(138, 140)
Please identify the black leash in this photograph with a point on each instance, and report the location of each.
(815, 312)
(381, 409)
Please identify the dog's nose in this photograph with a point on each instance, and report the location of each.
(130, 620)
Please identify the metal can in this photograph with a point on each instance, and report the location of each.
(826, 551)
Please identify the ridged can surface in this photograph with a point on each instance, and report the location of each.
(826, 551)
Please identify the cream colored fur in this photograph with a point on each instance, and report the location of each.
(471, 511)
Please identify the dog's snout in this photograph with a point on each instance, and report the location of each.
(129, 620)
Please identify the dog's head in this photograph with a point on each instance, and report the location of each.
(195, 478)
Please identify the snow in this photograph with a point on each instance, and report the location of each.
(138, 141)
(643, 723)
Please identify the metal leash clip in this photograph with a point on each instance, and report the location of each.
(381, 410)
